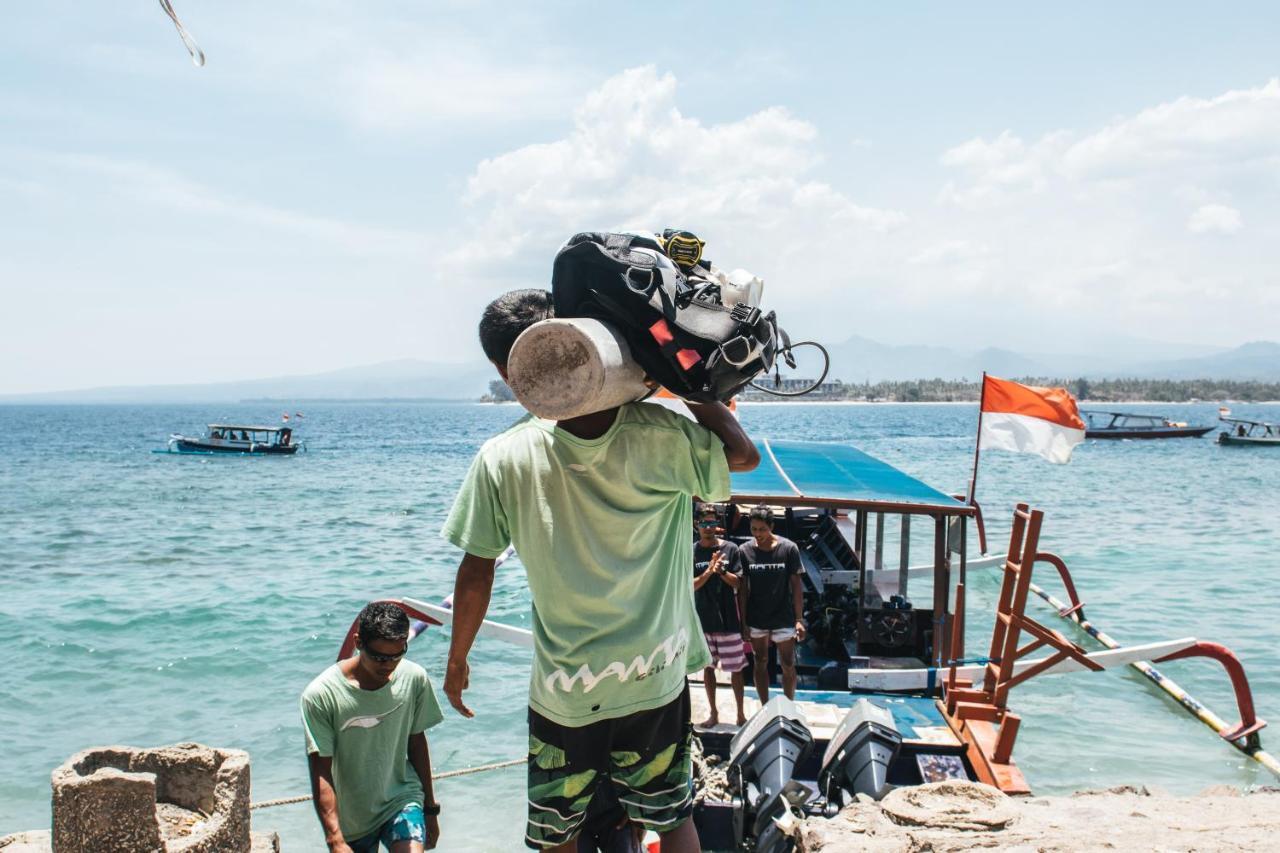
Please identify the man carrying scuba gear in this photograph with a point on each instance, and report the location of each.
(614, 627)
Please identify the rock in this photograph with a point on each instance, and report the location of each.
(948, 823)
(951, 804)
(264, 842)
(1134, 790)
(1221, 791)
(104, 808)
(185, 798)
(37, 841)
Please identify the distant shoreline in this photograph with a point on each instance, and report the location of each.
(1089, 403)
(798, 401)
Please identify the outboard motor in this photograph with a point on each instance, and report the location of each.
(762, 758)
(860, 753)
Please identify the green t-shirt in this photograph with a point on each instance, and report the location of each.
(366, 732)
(603, 529)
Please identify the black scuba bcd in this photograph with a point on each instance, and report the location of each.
(659, 294)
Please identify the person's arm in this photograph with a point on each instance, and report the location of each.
(797, 599)
(420, 758)
(708, 573)
(728, 573)
(326, 801)
(744, 591)
(739, 451)
(471, 593)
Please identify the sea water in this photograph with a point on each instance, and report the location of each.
(148, 599)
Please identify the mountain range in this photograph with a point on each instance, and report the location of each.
(862, 360)
(405, 378)
(854, 360)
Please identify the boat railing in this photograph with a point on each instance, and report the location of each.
(977, 520)
(1249, 724)
(978, 705)
(1076, 606)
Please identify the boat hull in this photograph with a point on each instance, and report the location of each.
(189, 445)
(1155, 432)
(1247, 441)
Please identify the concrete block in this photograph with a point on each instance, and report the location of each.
(185, 798)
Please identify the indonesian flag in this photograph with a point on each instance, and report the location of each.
(1028, 419)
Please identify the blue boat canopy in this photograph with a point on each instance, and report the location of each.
(794, 472)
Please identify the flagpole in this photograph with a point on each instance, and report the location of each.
(977, 441)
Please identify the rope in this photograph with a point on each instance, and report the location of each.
(449, 774)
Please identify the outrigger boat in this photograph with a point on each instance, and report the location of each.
(237, 438)
(1100, 424)
(888, 695)
(1244, 433)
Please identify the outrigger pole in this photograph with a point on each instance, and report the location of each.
(1244, 739)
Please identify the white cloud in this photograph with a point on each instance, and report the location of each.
(1075, 233)
(1236, 131)
(633, 160)
(1237, 128)
(948, 251)
(1093, 223)
(1215, 219)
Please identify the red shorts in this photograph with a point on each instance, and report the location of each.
(727, 651)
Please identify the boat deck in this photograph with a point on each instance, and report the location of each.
(919, 718)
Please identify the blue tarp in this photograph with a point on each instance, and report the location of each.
(833, 472)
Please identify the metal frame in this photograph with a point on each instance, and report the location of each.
(865, 513)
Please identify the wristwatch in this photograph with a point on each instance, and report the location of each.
(431, 809)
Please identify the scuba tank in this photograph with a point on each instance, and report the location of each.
(566, 367)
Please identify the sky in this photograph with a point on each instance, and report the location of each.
(344, 184)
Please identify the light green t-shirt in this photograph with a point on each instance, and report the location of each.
(603, 529)
(366, 732)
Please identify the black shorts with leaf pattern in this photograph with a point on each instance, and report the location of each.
(643, 756)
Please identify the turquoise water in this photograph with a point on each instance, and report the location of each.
(150, 599)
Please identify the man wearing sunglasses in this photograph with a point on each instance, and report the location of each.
(365, 720)
(598, 509)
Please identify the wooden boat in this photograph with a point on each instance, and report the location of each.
(1100, 424)
(237, 439)
(871, 637)
(1245, 433)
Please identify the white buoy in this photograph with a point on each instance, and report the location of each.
(563, 368)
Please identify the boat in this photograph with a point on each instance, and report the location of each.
(239, 439)
(1246, 433)
(887, 693)
(1099, 424)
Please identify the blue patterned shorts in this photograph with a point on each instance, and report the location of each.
(408, 825)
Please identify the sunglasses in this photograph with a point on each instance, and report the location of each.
(378, 657)
(708, 525)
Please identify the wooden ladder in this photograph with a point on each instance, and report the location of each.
(984, 710)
